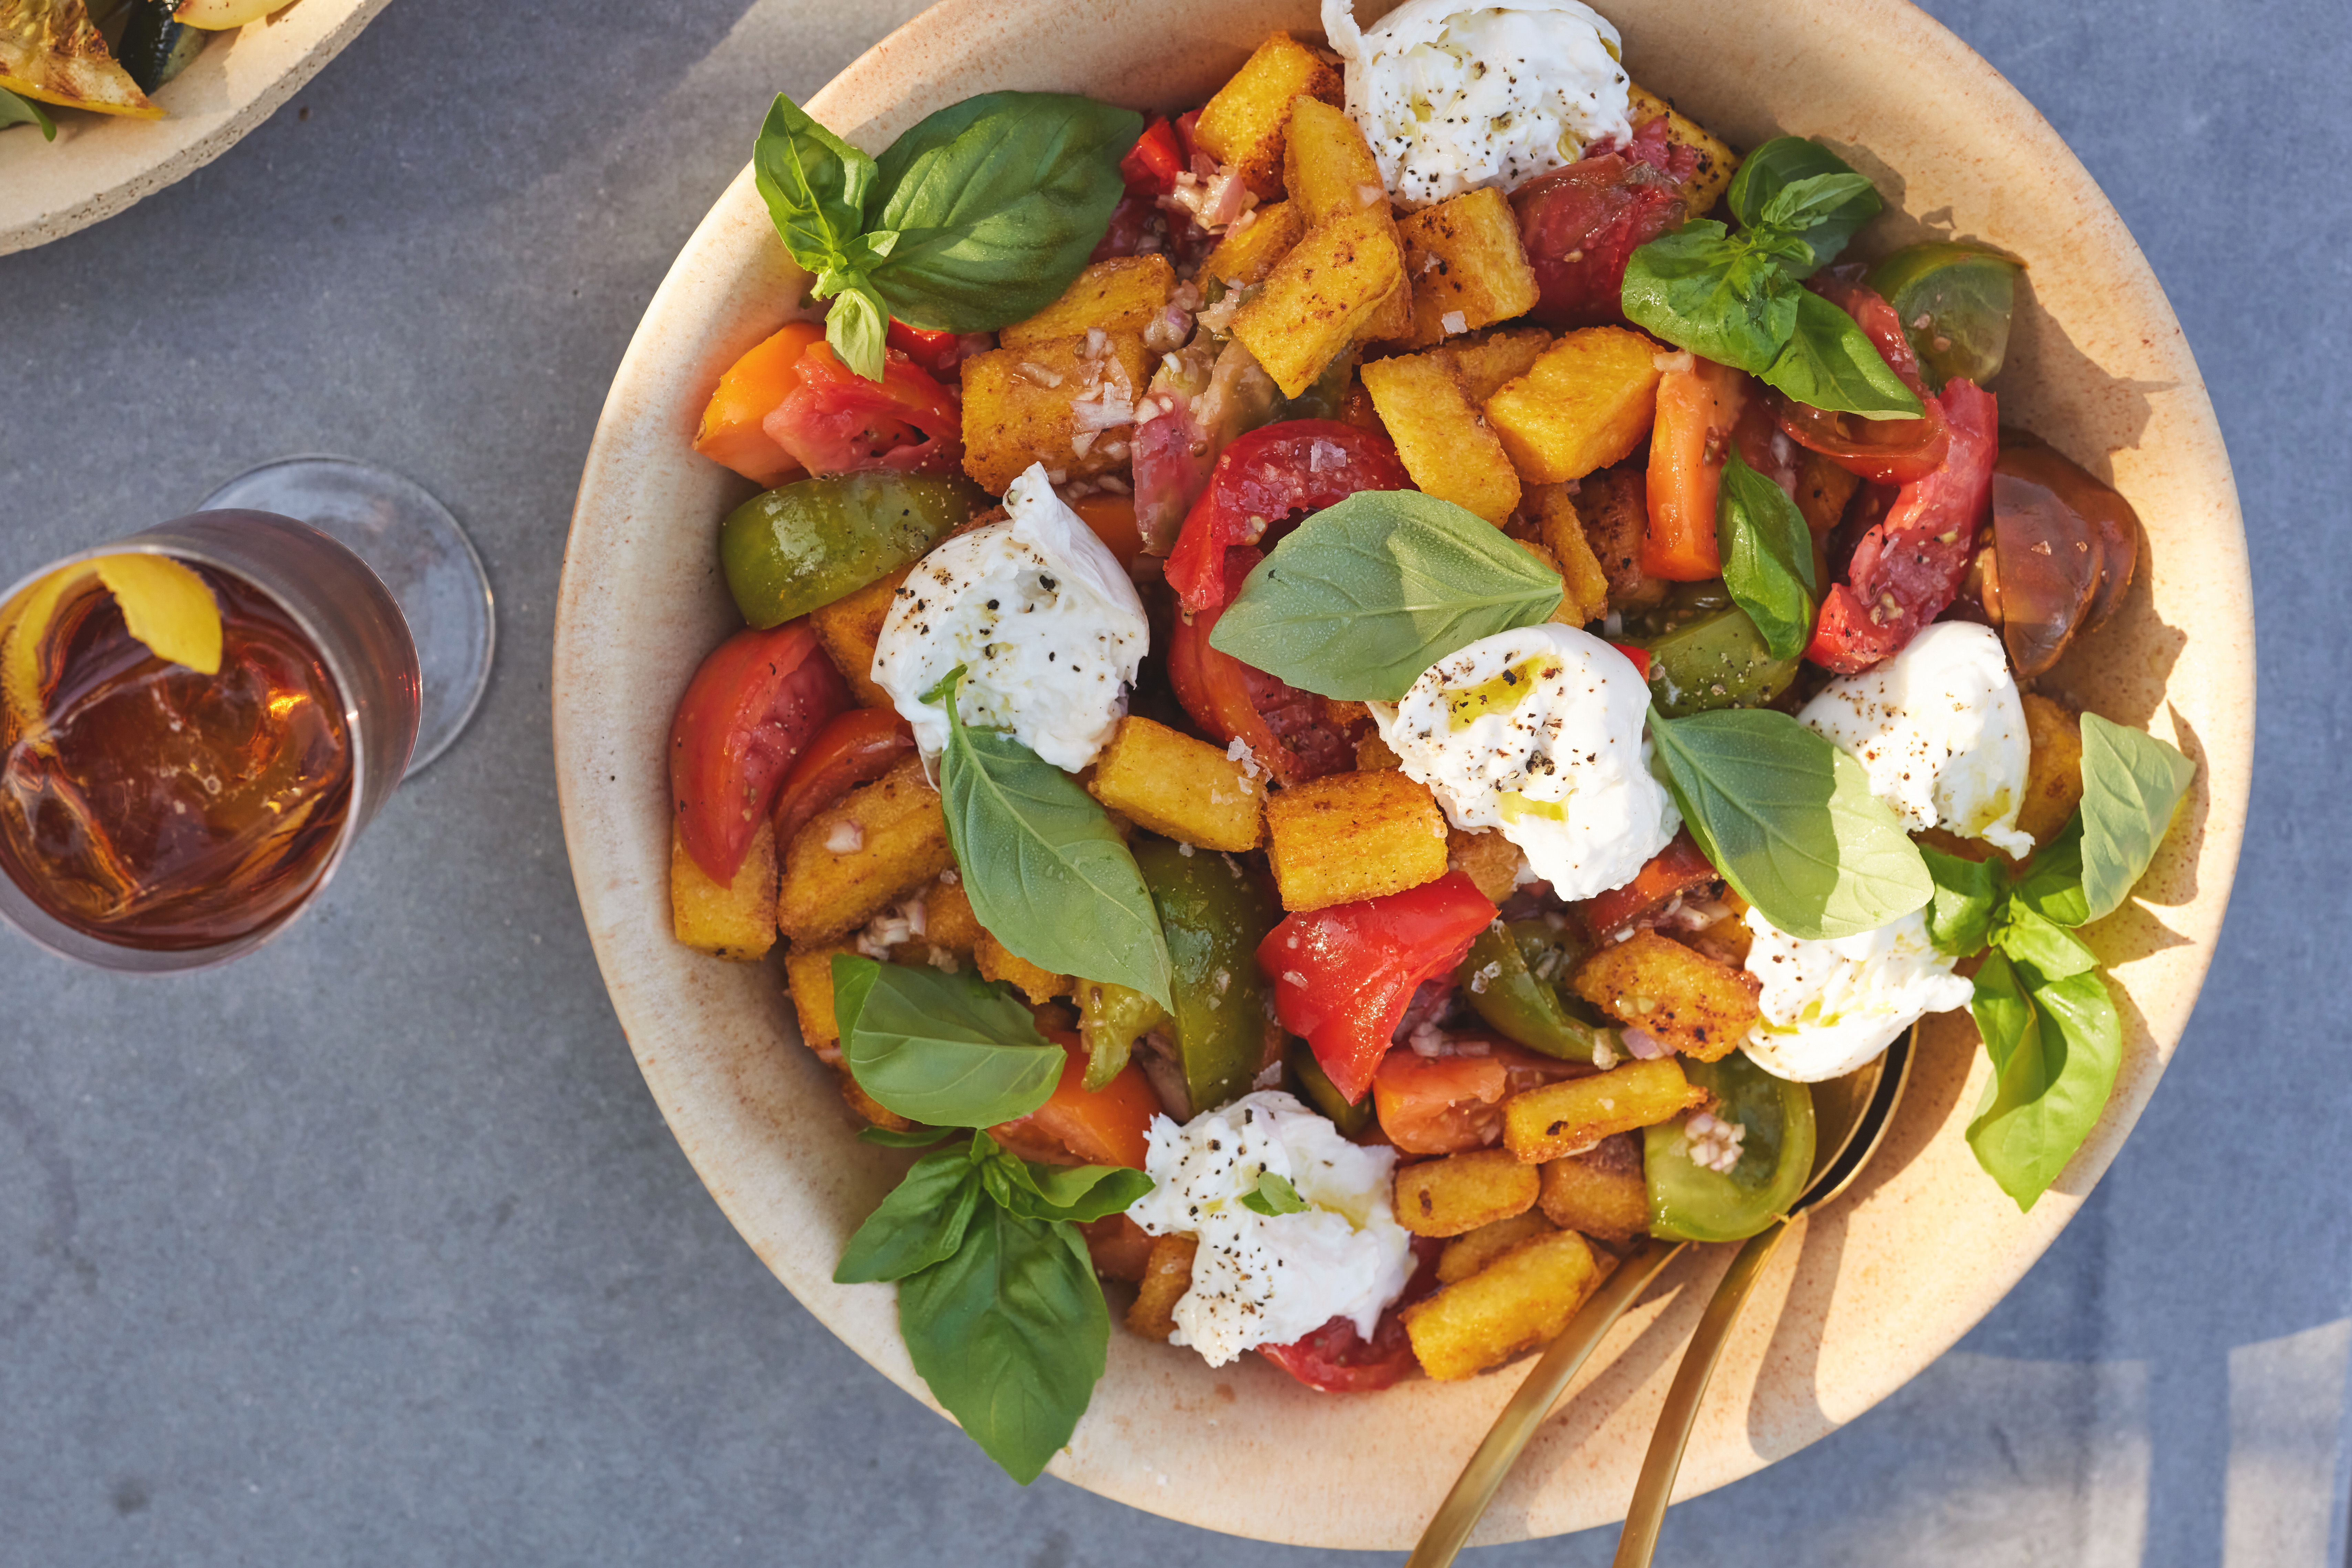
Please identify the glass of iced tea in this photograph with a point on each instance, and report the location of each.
(196, 722)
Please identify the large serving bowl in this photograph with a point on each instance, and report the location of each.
(1878, 1285)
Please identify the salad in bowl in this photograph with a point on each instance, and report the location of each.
(1346, 695)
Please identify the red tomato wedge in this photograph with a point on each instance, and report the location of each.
(1152, 165)
(1335, 1359)
(1289, 731)
(1676, 869)
(854, 748)
(1343, 975)
(1440, 1105)
(1260, 481)
(834, 421)
(746, 714)
(1106, 1127)
(1698, 409)
(938, 353)
(1580, 224)
(1884, 451)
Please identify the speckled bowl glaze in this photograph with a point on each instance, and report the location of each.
(1879, 1284)
(100, 163)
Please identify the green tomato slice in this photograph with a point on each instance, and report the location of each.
(1955, 301)
(1719, 660)
(1689, 1202)
(801, 546)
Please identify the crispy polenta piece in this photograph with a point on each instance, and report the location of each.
(850, 630)
(949, 923)
(998, 961)
(1373, 754)
(1179, 787)
(1679, 997)
(1466, 266)
(1440, 435)
(734, 920)
(875, 845)
(1017, 407)
(1599, 1193)
(1248, 250)
(1167, 1275)
(1561, 528)
(1823, 491)
(1515, 1303)
(1121, 294)
(1459, 1192)
(1586, 403)
(1488, 361)
(1717, 164)
(2054, 773)
(1329, 171)
(1571, 1117)
(1247, 123)
(1491, 861)
(1353, 835)
(1319, 299)
(808, 976)
(871, 1109)
(1615, 510)
(1473, 1250)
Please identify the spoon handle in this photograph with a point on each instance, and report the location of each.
(1639, 1539)
(1460, 1512)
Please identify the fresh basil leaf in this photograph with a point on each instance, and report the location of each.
(1081, 1194)
(996, 203)
(1047, 874)
(1967, 894)
(816, 186)
(1830, 362)
(858, 326)
(906, 1138)
(2052, 884)
(1804, 205)
(2055, 1045)
(1768, 556)
(2052, 950)
(946, 1049)
(16, 111)
(1790, 821)
(1792, 163)
(2133, 784)
(1274, 1196)
(921, 1222)
(1366, 595)
(1723, 300)
(1010, 1334)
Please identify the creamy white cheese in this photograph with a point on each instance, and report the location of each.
(1538, 732)
(1270, 1279)
(1941, 731)
(1829, 1006)
(1041, 615)
(1452, 98)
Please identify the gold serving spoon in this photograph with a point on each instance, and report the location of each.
(1852, 1114)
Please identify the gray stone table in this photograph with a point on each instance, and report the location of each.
(373, 1249)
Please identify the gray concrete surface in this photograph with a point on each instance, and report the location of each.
(373, 1250)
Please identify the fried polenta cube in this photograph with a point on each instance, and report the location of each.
(1459, 1192)
(1615, 508)
(1319, 298)
(1248, 249)
(1561, 528)
(1179, 787)
(1486, 362)
(1473, 1250)
(1678, 996)
(1441, 436)
(1167, 1276)
(998, 961)
(1353, 835)
(1329, 172)
(1466, 266)
(1716, 163)
(1571, 1117)
(869, 848)
(1491, 861)
(1121, 294)
(1517, 1302)
(734, 920)
(871, 1109)
(1373, 754)
(1017, 407)
(2053, 772)
(1601, 1193)
(949, 923)
(1586, 403)
(850, 629)
(808, 977)
(1247, 123)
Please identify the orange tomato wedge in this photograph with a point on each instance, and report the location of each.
(748, 392)
(1113, 520)
(1697, 409)
(1107, 1127)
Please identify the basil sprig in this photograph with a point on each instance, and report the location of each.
(947, 1050)
(1739, 300)
(979, 216)
(1273, 1195)
(1768, 556)
(17, 110)
(1047, 874)
(1790, 821)
(1367, 593)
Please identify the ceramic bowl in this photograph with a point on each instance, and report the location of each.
(100, 165)
(1878, 1285)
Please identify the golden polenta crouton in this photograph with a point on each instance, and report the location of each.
(1017, 407)
(2053, 774)
(1491, 861)
(1515, 1303)
(1561, 529)
(1121, 294)
(1329, 171)
(1167, 1276)
(1248, 121)
(850, 630)
(1179, 787)
(875, 845)
(735, 918)
(998, 961)
(949, 923)
(1571, 1117)
(1473, 1250)
(1600, 1194)
(1615, 508)
(1679, 997)
(1353, 835)
(1459, 1192)
(1319, 299)
(1716, 163)
(1440, 435)
(1248, 250)
(871, 1109)
(808, 976)
(1488, 361)
(1586, 403)
(1466, 266)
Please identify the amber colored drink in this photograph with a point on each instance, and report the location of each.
(152, 806)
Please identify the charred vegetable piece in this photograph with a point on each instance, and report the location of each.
(802, 545)
(52, 52)
(1214, 915)
(153, 47)
(1768, 1166)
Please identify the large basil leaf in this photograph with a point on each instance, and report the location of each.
(921, 1222)
(2051, 949)
(817, 188)
(995, 203)
(1723, 299)
(1831, 363)
(1366, 595)
(2052, 884)
(1768, 556)
(945, 1050)
(16, 111)
(1010, 1334)
(1081, 1194)
(1803, 186)
(2132, 785)
(2055, 1046)
(1967, 893)
(1790, 821)
(1047, 874)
